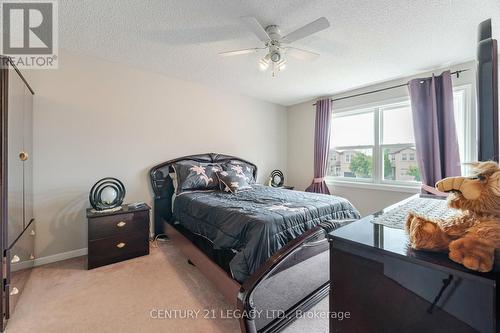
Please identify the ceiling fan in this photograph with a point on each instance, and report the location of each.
(277, 45)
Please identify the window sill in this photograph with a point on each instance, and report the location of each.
(373, 186)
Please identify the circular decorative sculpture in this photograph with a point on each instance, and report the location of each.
(277, 178)
(107, 193)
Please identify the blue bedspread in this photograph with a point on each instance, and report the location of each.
(258, 222)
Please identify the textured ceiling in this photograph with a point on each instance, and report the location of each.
(369, 40)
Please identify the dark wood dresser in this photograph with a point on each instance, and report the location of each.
(386, 286)
(117, 236)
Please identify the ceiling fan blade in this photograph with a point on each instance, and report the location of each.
(307, 30)
(300, 53)
(238, 52)
(256, 27)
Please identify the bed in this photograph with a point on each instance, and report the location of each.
(265, 249)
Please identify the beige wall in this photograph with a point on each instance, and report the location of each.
(301, 140)
(94, 119)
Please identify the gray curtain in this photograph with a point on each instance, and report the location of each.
(321, 146)
(434, 125)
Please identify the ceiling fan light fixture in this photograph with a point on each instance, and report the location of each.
(275, 56)
(278, 67)
(263, 64)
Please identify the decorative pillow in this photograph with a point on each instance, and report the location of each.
(241, 168)
(196, 176)
(232, 181)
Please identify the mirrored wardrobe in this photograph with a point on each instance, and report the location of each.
(16, 182)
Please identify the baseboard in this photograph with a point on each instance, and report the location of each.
(60, 256)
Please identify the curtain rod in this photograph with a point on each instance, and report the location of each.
(457, 73)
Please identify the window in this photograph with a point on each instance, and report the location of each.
(377, 145)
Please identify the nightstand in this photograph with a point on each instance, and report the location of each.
(117, 236)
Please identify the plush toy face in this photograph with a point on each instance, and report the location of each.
(479, 194)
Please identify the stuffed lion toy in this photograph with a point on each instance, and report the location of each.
(472, 236)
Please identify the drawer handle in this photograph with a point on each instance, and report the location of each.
(120, 245)
(32, 233)
(15, 259)
(14, 291)
(32, 257)
(121, 224)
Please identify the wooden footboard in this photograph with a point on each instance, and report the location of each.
(290, 282)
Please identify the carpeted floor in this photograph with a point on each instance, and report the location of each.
(124, 297)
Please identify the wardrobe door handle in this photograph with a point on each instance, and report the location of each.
(23, 156)
(120, 245)
(15, 259)
(121, 224)
(14, 291)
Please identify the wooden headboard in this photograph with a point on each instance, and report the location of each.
(163, 188)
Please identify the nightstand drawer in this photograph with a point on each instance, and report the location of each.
(120, 247)
(107, 226)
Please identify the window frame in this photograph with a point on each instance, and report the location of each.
(467, 115)
(377, 181)
(352, 111)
